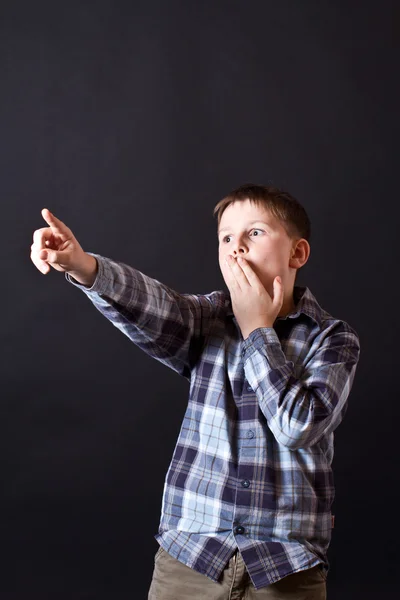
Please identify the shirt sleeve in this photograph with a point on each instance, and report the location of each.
(168, 326)
(301, 408)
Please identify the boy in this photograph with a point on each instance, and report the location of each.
(246, 509)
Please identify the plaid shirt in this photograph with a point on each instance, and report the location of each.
(251, 467)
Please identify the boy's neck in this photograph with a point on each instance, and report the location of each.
(288, 305)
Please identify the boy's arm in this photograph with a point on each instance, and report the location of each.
(300, 410)
(169, 326)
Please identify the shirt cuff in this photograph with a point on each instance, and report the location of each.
(100, 283)
(266, 341)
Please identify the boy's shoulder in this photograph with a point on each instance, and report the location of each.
(308, 304)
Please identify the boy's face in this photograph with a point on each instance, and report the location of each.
(264, 243)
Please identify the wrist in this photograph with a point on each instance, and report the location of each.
(87, 273)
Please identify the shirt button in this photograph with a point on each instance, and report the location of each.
(246, 483)
(250, 433)
(240, 530)
(249, 389)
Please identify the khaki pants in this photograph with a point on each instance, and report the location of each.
(172, 580)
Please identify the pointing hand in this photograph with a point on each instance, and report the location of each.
(56, 246)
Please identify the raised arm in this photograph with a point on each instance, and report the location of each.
(169, 326)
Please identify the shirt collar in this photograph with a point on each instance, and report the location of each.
(305, 302)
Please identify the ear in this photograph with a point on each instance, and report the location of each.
(299, 253)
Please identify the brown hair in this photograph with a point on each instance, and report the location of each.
(279, 203)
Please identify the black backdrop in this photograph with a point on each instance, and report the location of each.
(130, 120)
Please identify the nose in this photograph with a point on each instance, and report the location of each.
(238, 248)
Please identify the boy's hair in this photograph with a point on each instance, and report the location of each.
(279, 203)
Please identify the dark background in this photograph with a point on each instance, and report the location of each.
(129, 121)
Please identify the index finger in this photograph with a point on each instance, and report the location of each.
(246, 268)
(56, 225)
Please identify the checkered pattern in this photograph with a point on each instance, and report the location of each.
(252, 464)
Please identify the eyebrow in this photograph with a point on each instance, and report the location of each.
(250, 223)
